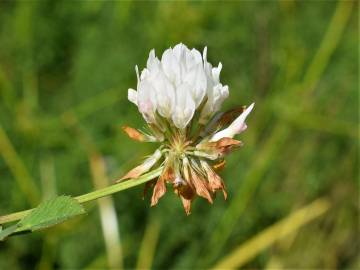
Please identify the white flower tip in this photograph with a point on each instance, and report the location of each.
(150, 161)
(235, 127)
(249, 109)
(225, 91)
(132, 96)
(205, 54)
(239, 124)
(157, 154)
(137, 72)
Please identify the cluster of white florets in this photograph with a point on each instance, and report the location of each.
(177, 85)
(180, 97)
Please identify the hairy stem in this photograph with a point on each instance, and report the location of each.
(94, 194)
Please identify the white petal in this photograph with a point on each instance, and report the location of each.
(207, 65)
(216, 73)
(132, 96)
(205, 55)
(165, 94)
(216, 96)
(179, 51)
(193, 58)
(151, 57)
(144, 167)
(184, 108)
(196, 79)
(145, 73)
(170, 66)
(137, 73)
(147, 100)
(216, 92)
(236, 127)
(197, 56)
(150, 161)
(199, 89)
(153, 63)
(220, 94)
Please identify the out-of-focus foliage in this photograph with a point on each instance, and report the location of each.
(65, 68)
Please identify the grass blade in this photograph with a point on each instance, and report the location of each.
(269, 236)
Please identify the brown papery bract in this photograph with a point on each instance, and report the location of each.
(225, 145)
(201, 186)
(159, 191)
(186, 194)
(133, 133)
(134, 173)
(215, 182)
(186, 204)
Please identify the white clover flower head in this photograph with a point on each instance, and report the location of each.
(174, 94)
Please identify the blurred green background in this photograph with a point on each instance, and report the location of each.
(65, 67)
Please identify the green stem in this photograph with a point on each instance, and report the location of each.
(94, 194)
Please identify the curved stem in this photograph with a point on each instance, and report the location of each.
(94, 194)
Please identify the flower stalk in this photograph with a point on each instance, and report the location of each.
(94, 195)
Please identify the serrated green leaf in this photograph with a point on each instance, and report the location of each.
(47, 214)
(50, 213)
